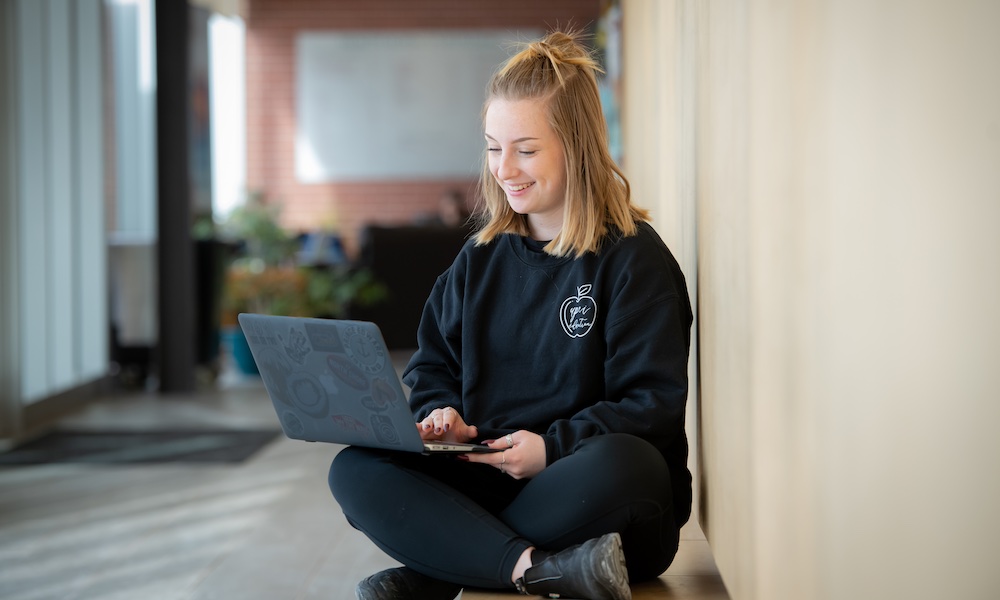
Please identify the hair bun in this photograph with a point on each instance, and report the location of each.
(560, 49)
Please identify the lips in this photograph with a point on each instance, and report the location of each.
(520, 186)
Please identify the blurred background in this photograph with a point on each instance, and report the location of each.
(826, 171)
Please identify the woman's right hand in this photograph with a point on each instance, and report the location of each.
(446, 425)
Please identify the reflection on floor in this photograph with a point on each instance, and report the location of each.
(266, 528)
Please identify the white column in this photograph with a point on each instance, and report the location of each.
(31, 197)
(57, 198)
(90, 256)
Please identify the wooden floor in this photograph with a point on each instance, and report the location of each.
(264, 529)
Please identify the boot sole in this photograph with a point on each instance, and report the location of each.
(610, 569)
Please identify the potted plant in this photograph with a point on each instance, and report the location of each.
(265, 277)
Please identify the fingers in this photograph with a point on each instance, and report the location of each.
(441, 420)
(446, 424)
(505, 461)
(493, 459)
(522, 455)
(506, 442)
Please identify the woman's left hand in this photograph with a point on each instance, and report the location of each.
(522, 454)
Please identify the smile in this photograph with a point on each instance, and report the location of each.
(519, 187)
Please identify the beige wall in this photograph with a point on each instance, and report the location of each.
(830, 171)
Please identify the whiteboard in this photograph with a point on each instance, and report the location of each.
(394, 105)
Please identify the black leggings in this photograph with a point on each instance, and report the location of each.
(469, 523)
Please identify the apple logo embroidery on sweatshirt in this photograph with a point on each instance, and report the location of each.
(578, 313)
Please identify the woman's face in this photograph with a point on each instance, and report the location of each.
(527, 160)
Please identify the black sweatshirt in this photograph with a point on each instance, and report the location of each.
(567, 348)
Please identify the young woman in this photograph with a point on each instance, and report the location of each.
(560, 335)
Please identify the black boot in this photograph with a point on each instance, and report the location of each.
(594, 570)
(405, 584)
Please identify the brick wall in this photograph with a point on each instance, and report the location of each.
(272, 26)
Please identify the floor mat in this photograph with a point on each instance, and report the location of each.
(133, 447)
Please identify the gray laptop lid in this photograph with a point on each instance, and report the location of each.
(331, 381)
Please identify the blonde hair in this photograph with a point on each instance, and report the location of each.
(559, 70)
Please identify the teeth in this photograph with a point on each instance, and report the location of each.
(518, 188)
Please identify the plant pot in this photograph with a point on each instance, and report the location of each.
(239, 349)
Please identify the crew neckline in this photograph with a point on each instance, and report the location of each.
(531, 251)
(535, 245)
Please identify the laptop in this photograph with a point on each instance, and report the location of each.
(332, 380)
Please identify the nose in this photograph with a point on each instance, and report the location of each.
(506, 169)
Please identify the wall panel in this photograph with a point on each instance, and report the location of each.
(31, 196)
(90, 258)
(60, 191)
(658, 117)
(846, 193)
(56, 196)
(725, 288)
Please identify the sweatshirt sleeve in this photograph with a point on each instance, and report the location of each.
(434, 373)
(645, 372)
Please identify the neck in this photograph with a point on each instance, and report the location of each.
(541, 230)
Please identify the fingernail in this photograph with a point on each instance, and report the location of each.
(447, 427)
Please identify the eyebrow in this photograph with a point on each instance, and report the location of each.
(517, 141)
